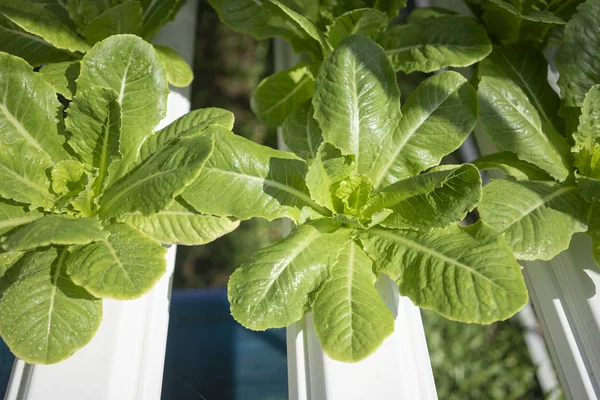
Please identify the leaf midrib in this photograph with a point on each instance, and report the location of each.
(22, 130)
(17, 221)
(287, 261)
(410, 133)
(539, 106)
(541, 203)
(115, 256)
(446, 259)
(53, 290)
(128, 189)
(406, 48)
(31, 184)
(300, 84)
(35, 38)
(528, 119)
(306, 199)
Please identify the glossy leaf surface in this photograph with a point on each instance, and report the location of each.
(181, 225)
(280, 94)
(465, 274)
(131, 67)
(125, 266)
(351, 320)
(434, 199)
(537, 218)
(577, 60)
(54, 230)
(244, 180)
(278, 284)
(357, 101)
(153, 184)
(301, 132)
(44, 316)
(514, 124)
(437, 118)
(426, 46)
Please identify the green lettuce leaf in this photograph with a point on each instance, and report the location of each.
(577, 61)
(44, 316)
(123, 18)
(328, 169)
(354, 193)
(425, 45)
(526, 67)
(83, 12)
(32, 48)
(390, 7)
(437, 117)
(179, 224)
(12, 216)
(536, 218)
(28, 109)
(465, 274)
(514, 125)
(309, 32)
(590, 187)
(301, 132)
(278, 284)
(86, 201)
(139, 79)
(587, 136)
(45, 24)
(329, 10)
(594, 230)
(25, 182)
(94, 122)
(244, 180)
(366, 21)
(62, 77)
(434, 199)
(351, 320)
(510, 164)
(27, 127)
(190, 124)
(7, 260)
(179, 73)
(156, 13)
(509, 24)
(125, 266)
(67, 177)
(278, 95)
(424, 13)
(357, 101)
(153, 184)
(248, 16)
(54, 230)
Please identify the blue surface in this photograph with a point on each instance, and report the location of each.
(6, 364)
(211, 357)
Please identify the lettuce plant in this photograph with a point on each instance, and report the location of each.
(56, 33)
(371, 200)
(430, 40)
(87, 200)
(316, 27)
(550, 144)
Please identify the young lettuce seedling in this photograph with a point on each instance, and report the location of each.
(86, 202)
(372, 200)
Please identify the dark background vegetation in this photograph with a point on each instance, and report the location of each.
(469, 361)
